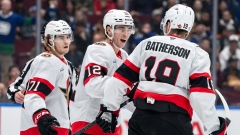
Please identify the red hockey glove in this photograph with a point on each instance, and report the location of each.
(107, 120)
(223, 127)
(45, 121)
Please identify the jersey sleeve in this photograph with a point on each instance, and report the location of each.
(124, 77)
(96, 69)
(40, 85)
(128, 72)
(202, 97)
(20, 82)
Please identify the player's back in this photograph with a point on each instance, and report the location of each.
(166, 66)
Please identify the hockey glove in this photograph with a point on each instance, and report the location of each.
(45, 121)
(223, 127)
(107, 120)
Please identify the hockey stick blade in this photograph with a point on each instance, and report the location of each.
(81, 131)
(226, 108)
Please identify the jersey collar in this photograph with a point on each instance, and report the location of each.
(62, 59)
(6, 16)
(119, 54)
(173, 35)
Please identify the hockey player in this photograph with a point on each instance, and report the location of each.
(100, 62)
(174, 78)
(45, 104)
(17, 89)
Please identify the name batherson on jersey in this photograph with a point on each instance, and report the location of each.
(169, 69)
(47, 80)
(98, 66)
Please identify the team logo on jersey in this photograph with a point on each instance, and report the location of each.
(100, 43)
(64, 91)
(46, 55)
(62, 69)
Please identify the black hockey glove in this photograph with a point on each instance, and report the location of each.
(45, 121)
(107, 120)
(223, 127)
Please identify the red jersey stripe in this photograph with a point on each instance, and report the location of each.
(46, 82)
(201, 89)
(178, 100)
(196, 75)
(132, 66)
(120, 77)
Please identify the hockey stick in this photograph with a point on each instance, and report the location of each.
(226, 108)
(81, 131)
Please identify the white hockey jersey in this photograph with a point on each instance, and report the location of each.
(47, 80)
(169, 69)
(98, 66)
(21, 81)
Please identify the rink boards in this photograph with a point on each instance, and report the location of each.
(10, 120)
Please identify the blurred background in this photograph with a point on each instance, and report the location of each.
(21, 21)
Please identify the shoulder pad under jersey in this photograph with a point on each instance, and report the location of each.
(100, 43)
(46, 55)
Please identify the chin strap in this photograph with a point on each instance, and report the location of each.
(114, 44)
(111, 38)
(53, 49)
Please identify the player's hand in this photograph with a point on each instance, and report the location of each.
(19, 97)
(223, 127)
(107, 120)
(45, 122)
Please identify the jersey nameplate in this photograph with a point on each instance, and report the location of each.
(100, 43)
(167, 48)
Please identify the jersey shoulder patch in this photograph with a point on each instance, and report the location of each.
(100, 43)
(46, 55)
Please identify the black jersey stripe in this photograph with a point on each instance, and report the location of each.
(202, 81)
(128, 73)
(19, 80)
(24, 73)
(39, 86)
(92, 70)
